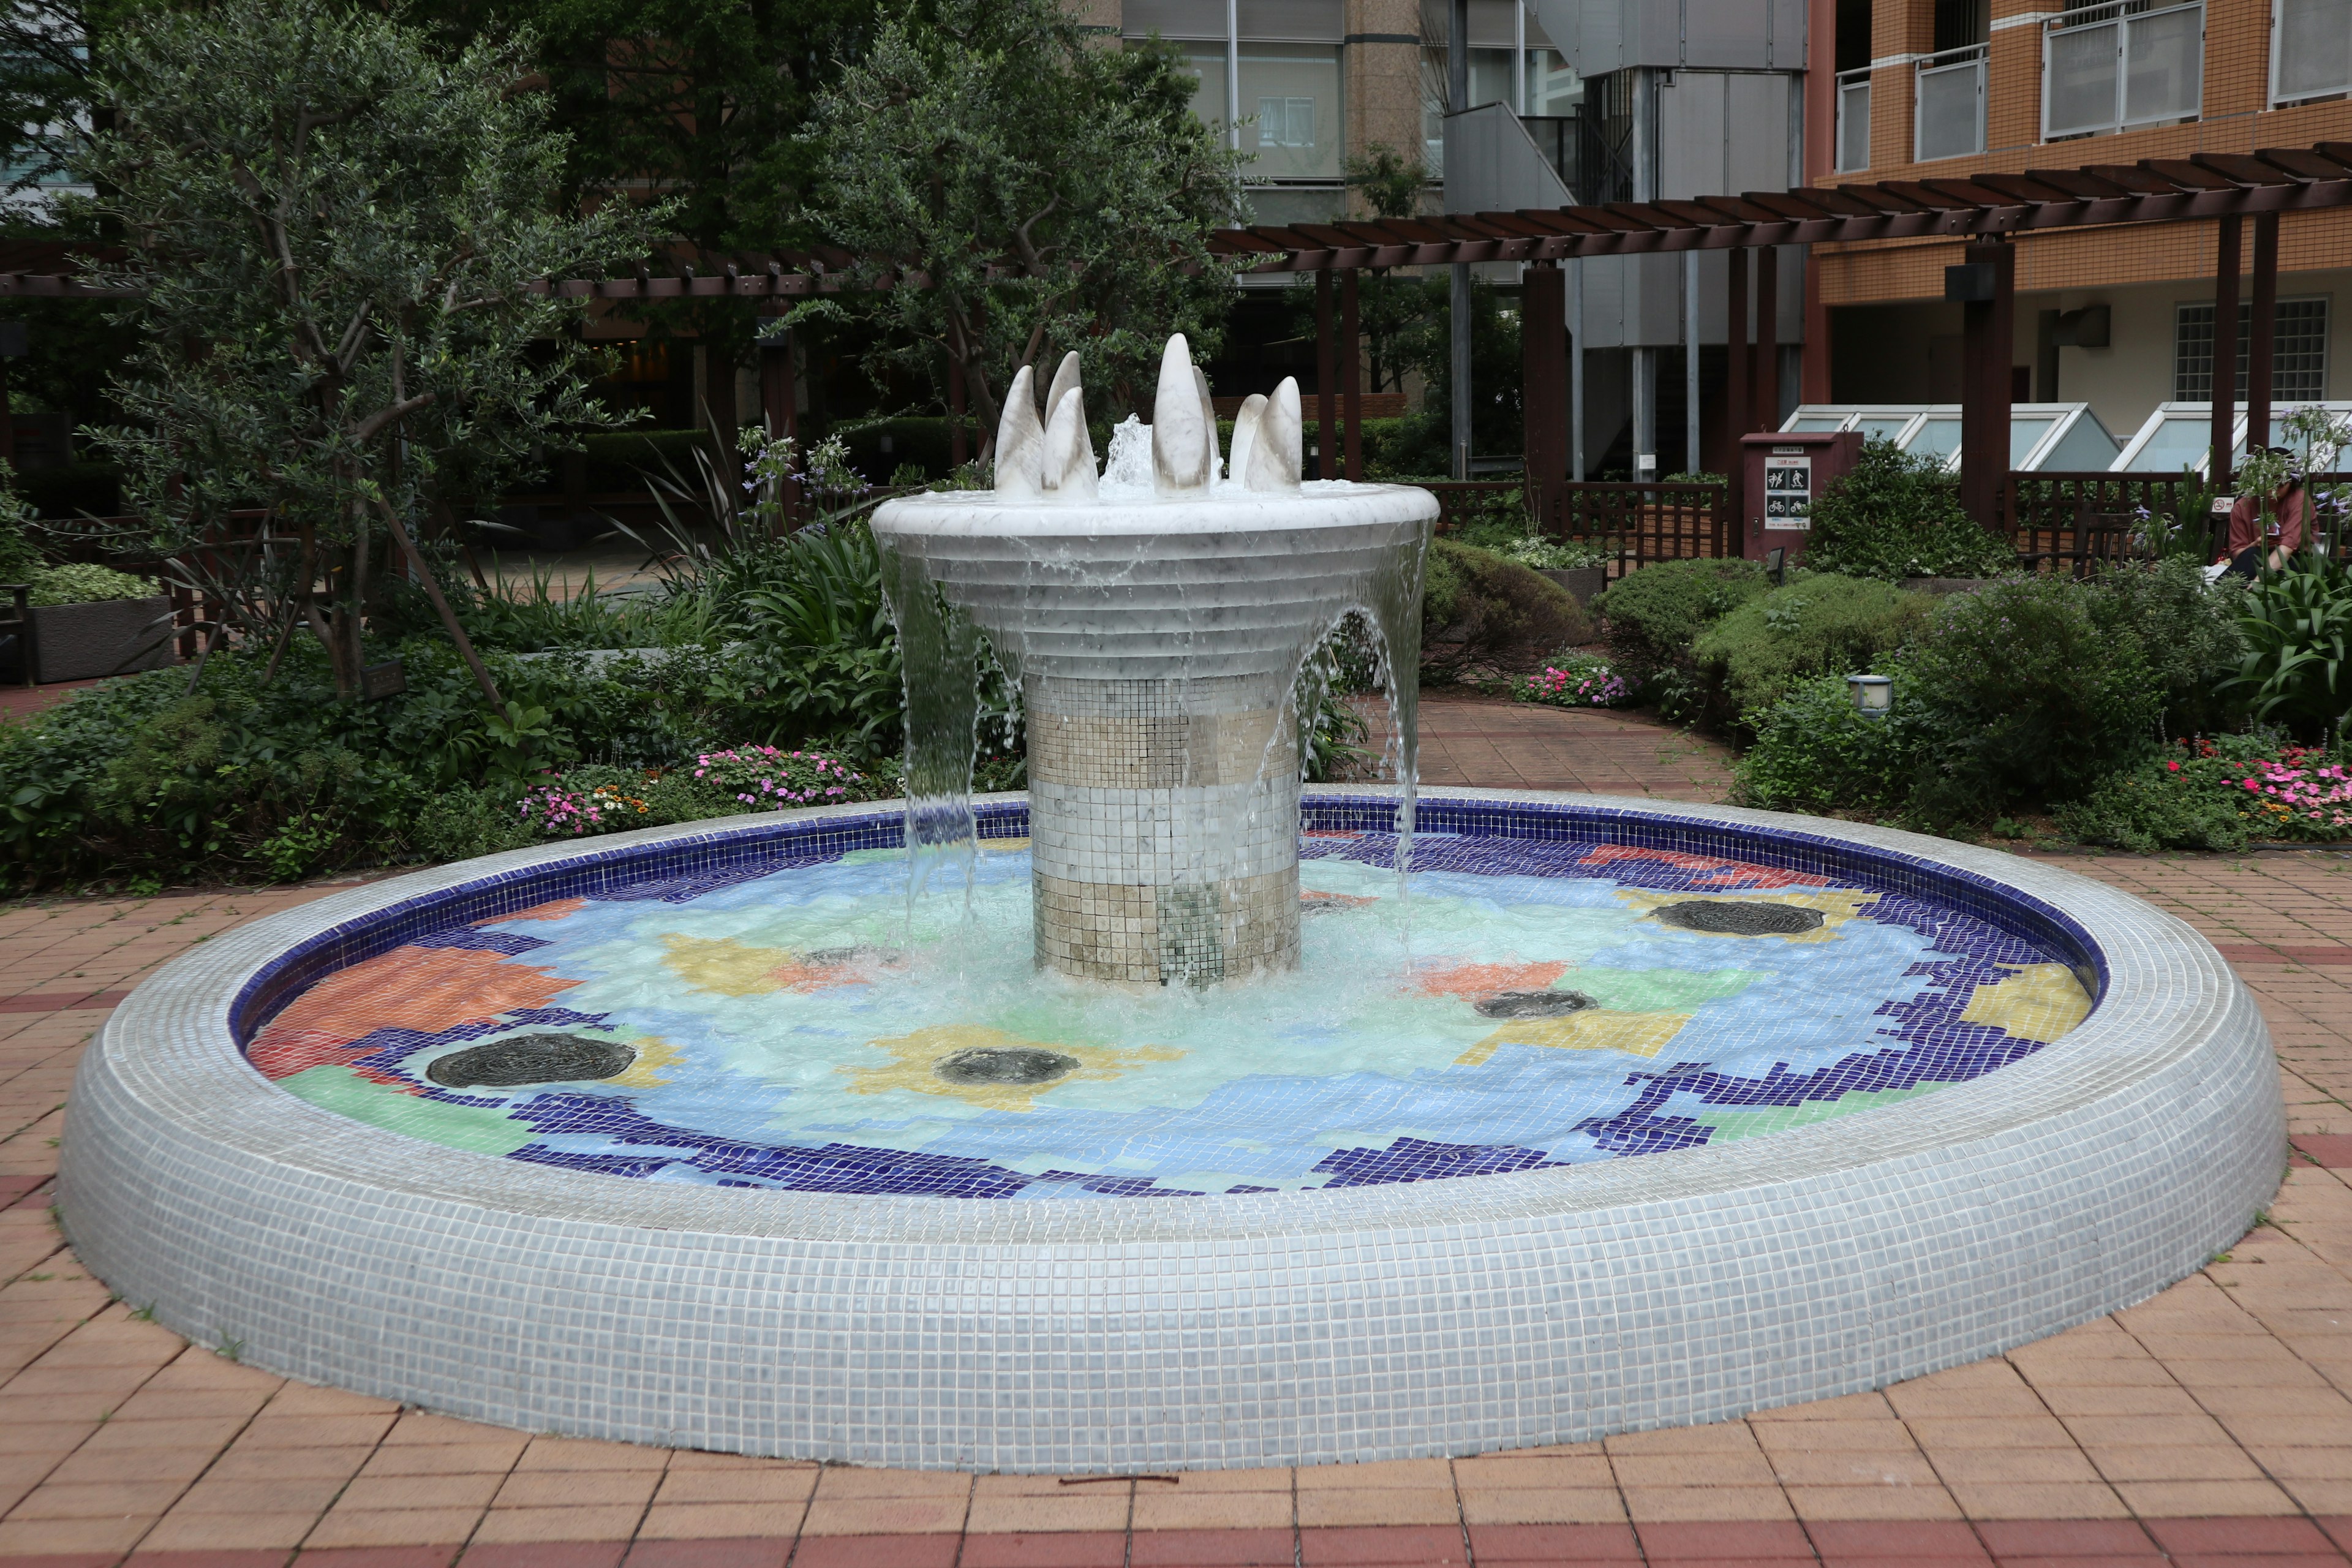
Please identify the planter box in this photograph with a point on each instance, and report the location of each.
(1584, 582)
(1942, 586)
(84, 642)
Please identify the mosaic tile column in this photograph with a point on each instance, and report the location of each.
(1163, 828)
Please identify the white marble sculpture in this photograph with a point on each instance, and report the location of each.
(1158, 632)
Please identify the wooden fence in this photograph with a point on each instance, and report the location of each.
(2082, 521)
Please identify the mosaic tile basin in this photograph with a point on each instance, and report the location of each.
(1628, 1116)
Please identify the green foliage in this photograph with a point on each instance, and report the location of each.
(2296, 669)
(1392, 180)
(1894, 516)
(1815, 751)
(2190, 632)
(1820, 624)
(2031, 690)
(81, 583)
(352, 225)
(1656, 614)
(1479, 608)
(988, 132)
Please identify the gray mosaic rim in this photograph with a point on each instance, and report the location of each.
(1439, 1318)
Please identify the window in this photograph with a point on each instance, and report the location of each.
(1853, 120)
(2128, 62)
(1950, 104)
(1286, 122)
(1295, 89)
(2311, 49)
(2298, 360)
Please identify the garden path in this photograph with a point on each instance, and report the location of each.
(2209, 1426)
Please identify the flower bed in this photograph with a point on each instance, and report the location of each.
(766, 779)
(2221, 794)
(1578, 681)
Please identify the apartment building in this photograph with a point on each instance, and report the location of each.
(2122, 319)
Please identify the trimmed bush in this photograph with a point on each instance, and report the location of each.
(1814, 752)
(1894, 515)
(2031, 695)
(1479, 608)
(1818, 624)
(1654, 615)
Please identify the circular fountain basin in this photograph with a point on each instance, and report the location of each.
(1629, 1115)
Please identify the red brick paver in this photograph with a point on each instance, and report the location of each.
(2211, 1425)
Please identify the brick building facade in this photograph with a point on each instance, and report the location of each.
(2058, 88)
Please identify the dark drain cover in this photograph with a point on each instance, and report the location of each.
(531, 1059)
(998, 1064)
(1732, 918)
(1534, 1003)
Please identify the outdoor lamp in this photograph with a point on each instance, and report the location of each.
(1873, 695)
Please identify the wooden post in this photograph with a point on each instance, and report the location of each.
(1766, 414)
(2262, 349)
(1543, 334)
(1326, 374)
(955, 413)
(1985, 389)
(778, 400)
(2225, 350)
(1351, 373)
(1739, 376)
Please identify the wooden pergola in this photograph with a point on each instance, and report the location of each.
(1984, 209)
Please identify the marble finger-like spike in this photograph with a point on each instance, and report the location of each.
(1244, 435)
(1278, 451)
(1208, 423)
(1181, 450)
(1066, 377)
(1069, 465)
(1020, 439)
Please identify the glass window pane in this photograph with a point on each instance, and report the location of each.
(2315, 48)
(1293, 91)
(2023, 434)
(1207, 63)
(1555, 88)
(2177, 443)
(2080, 78)
(1854, 126)
(1937, 438)
(2165, 74)
(1822, 422)
(1885, 426)
(1948, 98)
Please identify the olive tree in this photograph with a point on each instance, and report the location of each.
(339, 239)
(1016, 187)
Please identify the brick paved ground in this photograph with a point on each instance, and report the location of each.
(2211, 1425)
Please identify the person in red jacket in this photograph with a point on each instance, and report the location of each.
(2255, 540)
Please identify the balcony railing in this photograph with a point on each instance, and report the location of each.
(1854, 117)
(2311, 49)
(2128, 63)
(1948, 121)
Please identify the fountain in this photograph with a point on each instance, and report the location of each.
(1157, 628)
(1152, 1145)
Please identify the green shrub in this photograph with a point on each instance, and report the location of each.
(1819, 624)
(1893, 515)
(917, 441)
(1815, 751)
(2029, 694)
(80, 583)
(2190, 632)
(1654, 615)
(1479, 608)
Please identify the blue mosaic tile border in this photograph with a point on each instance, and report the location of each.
(741, 850)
